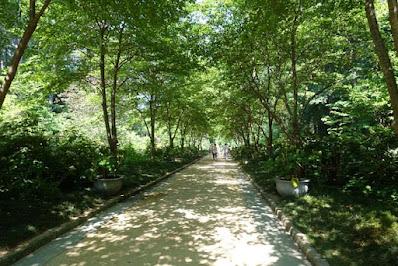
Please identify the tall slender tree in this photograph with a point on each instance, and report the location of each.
(35, 13)
(382, 51)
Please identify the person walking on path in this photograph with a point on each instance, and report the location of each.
(213, 149)
(226, 151)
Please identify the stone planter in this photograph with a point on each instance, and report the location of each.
(285, 188)
(108, 186)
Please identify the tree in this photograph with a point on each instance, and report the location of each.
(172, 109)
(159, 85)
(35, 13)
(382, 52)
(121, 32)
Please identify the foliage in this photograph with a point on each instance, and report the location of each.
(335, 221)
(33, 163)
(107, 167)
(295, 85)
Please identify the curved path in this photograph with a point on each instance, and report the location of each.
(208, 214)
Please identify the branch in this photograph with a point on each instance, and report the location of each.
(178, 125)
(32, 9)
(143, 119)
(122, 83)
(43, 8)
(313, 97)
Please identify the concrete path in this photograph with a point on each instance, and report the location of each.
(208, 214)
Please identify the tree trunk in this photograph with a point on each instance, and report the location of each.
(182, 142)
(169, 128)
(171, 140)
(23, 44)
(113, 145)
(295, 122)
(152, 124)
(103, 87)
(270, 147)
(246, 139)
(173, 135)
(153, 142)
(384, 59)
(183, 132)
(393, 18)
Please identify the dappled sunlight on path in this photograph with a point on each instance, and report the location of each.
(206, 215)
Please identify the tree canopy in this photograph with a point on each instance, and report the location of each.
(307, 87)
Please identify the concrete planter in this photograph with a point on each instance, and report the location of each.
(285, 188)
(108, 186)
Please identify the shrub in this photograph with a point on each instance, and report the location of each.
(34, 165)
(364, 164)
(74, 159)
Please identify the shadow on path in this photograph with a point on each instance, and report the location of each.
(208, 214)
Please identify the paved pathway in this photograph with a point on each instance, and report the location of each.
(208, 214)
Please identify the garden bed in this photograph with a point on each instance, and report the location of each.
(346, 229)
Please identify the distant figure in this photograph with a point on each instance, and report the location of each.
(213, 150)
(226, 151)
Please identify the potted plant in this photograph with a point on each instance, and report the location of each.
(108, 182)
(292, 185)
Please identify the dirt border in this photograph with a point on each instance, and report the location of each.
(36, 242)
(299, 238)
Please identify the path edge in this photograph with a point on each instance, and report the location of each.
(298, 237)
(38, 241)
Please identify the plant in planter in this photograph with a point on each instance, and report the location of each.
(292, 185)
(108, 181)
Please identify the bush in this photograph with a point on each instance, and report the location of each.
(74, 159)
(365, 163)
(361, 161)
(35, 165)
(130, 158)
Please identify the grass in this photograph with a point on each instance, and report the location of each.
(346, 229)
(21, 220)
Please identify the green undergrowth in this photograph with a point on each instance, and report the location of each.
(23, 219)
(346, 228)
